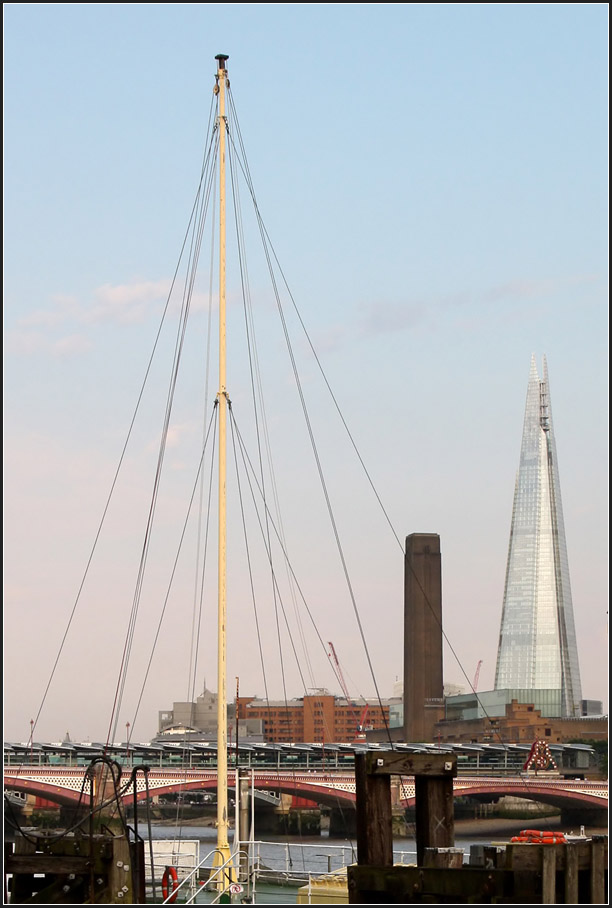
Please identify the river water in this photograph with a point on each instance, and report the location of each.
(292, 860)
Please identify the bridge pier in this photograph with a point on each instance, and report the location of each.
(572, 818)
(295, 821)
(342, 821)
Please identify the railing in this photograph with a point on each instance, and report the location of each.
(288, 869)
(471, 767)
(219, 874)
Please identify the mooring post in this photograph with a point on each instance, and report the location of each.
(598, 861)
(571, 873)
(434, 812)
(435, 818)
(549, 867)
(374, 815)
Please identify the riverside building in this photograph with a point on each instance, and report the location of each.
(537, 642)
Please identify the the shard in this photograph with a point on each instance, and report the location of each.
(537, 640)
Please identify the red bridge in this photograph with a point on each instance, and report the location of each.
(64, 785)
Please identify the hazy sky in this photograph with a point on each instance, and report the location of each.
(434, 180)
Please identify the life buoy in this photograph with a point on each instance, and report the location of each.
(547, 834)
(535, 837)
(170, 874)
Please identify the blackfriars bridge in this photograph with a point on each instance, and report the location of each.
(66, 785)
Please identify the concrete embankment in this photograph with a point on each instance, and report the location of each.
(499, 827)
(490, 827)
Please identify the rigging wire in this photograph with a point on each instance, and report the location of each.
(202, 203)
(250, 472)
(264, 529)
(269, 245)
(251, 349)
(212, 424)
(308, 422)
(248, 557)
(185, 523)
(204, 563)
(271, 255)
(194, 253)
(257, 393)
(115, 771)
(118, 468)
(196, 634)
(261, 430)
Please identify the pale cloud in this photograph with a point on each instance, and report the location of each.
(373, 319)
(30, 343)
(25, 343)
(126, 302)
(73, 343)
(122, 304)
(200, 302)
(125, 294)
(330, 339)
(175, 433)
(386, 317)
(521, 289)
(175, 436)
(112, 302)
(64, 309)
(526, 289)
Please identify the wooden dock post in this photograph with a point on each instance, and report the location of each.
(598, 864)
(374, 815)
(571, 874)
(549, 875)
(435, 824)
(515, 873)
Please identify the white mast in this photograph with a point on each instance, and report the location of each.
(223, 850)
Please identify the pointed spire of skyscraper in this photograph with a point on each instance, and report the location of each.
(537, 641)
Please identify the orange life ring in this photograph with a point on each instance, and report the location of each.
(532, 837)
(170, 874)
(547, 834)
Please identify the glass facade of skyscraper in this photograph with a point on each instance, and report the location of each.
(537, 641)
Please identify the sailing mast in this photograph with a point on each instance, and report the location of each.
(223, 851)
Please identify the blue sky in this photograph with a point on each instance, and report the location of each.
(434, 179)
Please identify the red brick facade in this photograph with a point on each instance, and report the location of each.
(315, 719)
(522, 724)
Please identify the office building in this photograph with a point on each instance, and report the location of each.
(537, 642)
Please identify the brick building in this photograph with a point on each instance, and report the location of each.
(314, 719)
(522, 723)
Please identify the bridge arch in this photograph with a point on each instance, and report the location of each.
(561, 797)
(331, 790)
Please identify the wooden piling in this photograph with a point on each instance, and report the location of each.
(433, 776)
(530, 873)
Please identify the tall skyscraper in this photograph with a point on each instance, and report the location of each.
(537, 641)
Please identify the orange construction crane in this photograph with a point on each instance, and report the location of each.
(362, 725)
(332, 655)
(476, 676)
